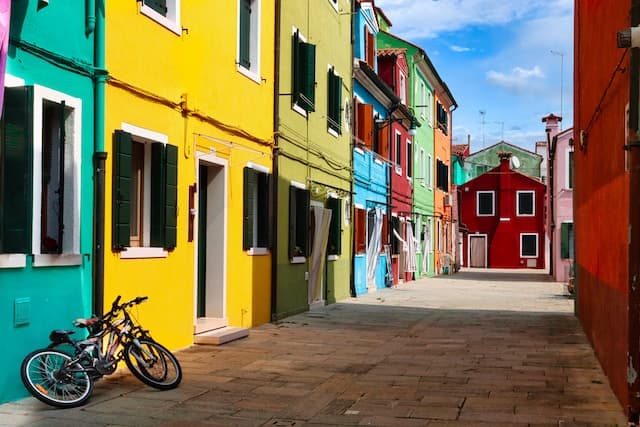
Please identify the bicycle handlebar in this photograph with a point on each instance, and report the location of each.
(115, 307)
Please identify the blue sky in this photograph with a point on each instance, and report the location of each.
(496, 57)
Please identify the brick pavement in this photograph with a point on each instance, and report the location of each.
(447, 351)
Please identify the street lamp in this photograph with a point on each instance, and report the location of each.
(561, 55)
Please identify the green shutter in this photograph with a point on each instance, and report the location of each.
(308, 76)
(570, 169)
(16, 146)
(334, 93)
(121, 204)
(159, 6)
(335, 230)
(248, 219)
(171, 198)
(303, 201)
(564, 240)
(338, 101)
(292, 222)
(245, 33)
(264, 210)
(295, 65)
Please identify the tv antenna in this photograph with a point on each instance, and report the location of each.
(482, 114)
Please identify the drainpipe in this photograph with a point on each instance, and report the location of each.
(551, 143)
(99, 156)
(352, 280)
(91, 17)
(274, 167)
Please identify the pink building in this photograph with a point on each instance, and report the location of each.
(560, 229)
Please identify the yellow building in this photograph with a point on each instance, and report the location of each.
(189, 135)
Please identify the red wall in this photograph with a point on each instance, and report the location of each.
(601, 193)
(503, 237)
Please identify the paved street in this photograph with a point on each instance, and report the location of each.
(448, 351)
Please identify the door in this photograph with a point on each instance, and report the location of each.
(477, 251)
(210, 288)
(320, 221)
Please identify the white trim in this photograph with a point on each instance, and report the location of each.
(332, 132)
(12, 81)
(253, 72)
(334, 3)
(493, 202)
(257, 167)
(469, 236)
(147, 134)
(430, 171)
(358, 206)
(537, 245)
(298, 185)
(533, 204)
(298, 260)
(333, 257)
(505, 219)
(143, 252)
(408, 144)
(13, 260)
(258, 251)
(173, 25)
(71, 219)
(358, 150)
(55, 260)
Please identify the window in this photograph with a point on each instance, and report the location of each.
(335, 227)
(395, 243)
(304, 72)
(429, 110)
(567, 241)
(422, 96)
(334, 104)
(403, 89)
(409, 159)
(164, 12)
(248, 44)
(438, 231)
(299, 199)
(485, 203)
(145, 190)
(443, 119)
(423, 169)
(369, 48)
(525, 203)
(442, 178)
(569, 178)
(430, 172)
(360, 230)
(529, 245)
(256, 206)
(40, 173)
(398, 152)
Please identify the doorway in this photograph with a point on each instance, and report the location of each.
(211, 247)
(320, 219)
(478, 251)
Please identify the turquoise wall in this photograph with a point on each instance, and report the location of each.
(56, 295)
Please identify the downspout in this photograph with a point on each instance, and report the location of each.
(99, 156)
(274, 167)
(632, 146)
(390, 201)
(352, 280)
(551, 143)
(91, 17)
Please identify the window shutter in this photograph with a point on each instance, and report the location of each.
(298, 221)
(338, 101)
(365, 124)
(292, 222)
(264, 210)
(445, 174)
(249, 187)
(371, 48)
(159, 6)
(245, 33)
(360, 230)
(335, 230)
(383, 142)
(121, 205)
(16, 146)
(564, 240)
(308, 75)
(171, 198)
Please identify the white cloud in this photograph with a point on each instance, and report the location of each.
(456, 48)
(519, 79)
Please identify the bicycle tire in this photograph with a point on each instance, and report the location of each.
(153, 364)
(43, 375)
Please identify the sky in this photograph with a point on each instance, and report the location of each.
(506, 62)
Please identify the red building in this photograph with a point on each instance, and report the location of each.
(503, 213)
(394, 71)
(606, 193)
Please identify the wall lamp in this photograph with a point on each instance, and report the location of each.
(629, 37)
(413, 127)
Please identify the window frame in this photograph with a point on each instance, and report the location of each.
(402, 87)
(430, 171)
(423, 168)
(253, 70)
(297, 39)
(533, 203)
(398, 152)
(260, 226)
(409, 158)
(171, 20)
(522, 235)
(298, 256)
(334, 101)
(493, 202)
(569, 168)
(567, 231)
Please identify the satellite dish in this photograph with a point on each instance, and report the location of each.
(515, 162)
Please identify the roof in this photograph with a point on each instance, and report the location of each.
(392, 51)
(506, 143)
(459, 149)
(375, 79)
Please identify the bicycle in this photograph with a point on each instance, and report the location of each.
(65, 379)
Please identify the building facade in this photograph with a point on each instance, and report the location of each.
(525, 161)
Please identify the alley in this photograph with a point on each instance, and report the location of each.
(477, 348)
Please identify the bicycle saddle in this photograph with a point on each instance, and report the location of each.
(60, 336)
(83, 323)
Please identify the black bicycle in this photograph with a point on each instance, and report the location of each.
(65, 378)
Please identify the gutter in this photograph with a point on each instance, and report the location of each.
(274, 167)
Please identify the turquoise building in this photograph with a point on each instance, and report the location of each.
(46, 177)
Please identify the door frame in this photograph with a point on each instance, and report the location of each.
(210, 158)
(323, 275)
(486, 254)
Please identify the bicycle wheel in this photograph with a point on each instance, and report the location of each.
(153, 364)
(47, 375)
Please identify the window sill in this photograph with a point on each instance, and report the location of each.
(398, 170)
(162, 20)
(298, 109)
(298, 260)
(133, 253)
(258, 251)
(50, 260)
(333, 257)
(333, 132)
(378, 161)
(526, 215)
(251, 75)
(13, 260)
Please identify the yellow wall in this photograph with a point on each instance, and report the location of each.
(152, 71)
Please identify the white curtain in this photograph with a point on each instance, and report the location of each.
(322, 218)
(410, 259)
(426, 246)
(373, 247)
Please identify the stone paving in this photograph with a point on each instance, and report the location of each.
(498, 348)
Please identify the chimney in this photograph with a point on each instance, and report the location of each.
(552, 122)
(505, 164)
(504, 202)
